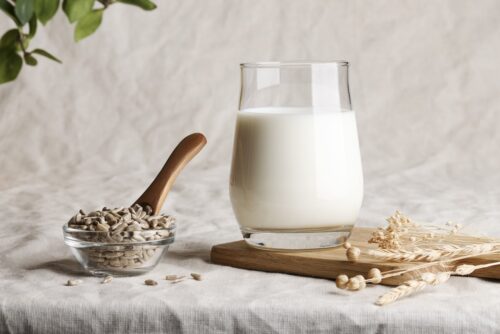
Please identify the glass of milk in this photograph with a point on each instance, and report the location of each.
(296, 179)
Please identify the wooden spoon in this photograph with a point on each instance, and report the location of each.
(157, 191)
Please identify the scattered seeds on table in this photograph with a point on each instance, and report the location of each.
(107, 279)
(150, 282)
(74, 282)
(196, 276)
(173, 277)
(179, 279)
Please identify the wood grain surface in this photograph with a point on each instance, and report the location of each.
(326, 263)
(157, 192)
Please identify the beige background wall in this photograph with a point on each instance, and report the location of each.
(424, 79)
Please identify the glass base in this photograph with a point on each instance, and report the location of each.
(118, 272)
(119, 260)
(297, 239)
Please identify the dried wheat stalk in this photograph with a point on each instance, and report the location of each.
(412, 286)
(430, 255)
(401, 291)
(403, 234)
(405, 241)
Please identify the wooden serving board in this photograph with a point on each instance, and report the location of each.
(326, 263)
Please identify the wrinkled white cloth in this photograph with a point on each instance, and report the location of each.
(95, 131)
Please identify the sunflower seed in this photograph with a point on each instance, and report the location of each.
(137, 236)
(123, 226)
(118, 228)
(134, 226)
(196, 276)
(115, 262)
(107, 279)
(74, 282)
(102, 227)
(150, 282)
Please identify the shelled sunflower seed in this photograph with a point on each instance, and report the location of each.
(107, 279)
(136, 224)
(74, 282)
(150, 282)
(119, 220)
(196, 276)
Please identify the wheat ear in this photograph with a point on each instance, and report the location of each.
(431, 255)
(467, 269)
(419, 267)
(412, 286)
(401, 291)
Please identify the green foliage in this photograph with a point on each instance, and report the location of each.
(46, 54)
(46, 9)
(14, 43)
(10, 11)
(30, 60)
(77, 9)
(32, 27)
(9, 39)
(88, 24)
(10, 65)
(24, 10)
(144, 4)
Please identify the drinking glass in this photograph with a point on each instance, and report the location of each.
(296, 178)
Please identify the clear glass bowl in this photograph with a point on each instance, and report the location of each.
(123, 254)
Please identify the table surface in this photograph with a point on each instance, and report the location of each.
(94, 131)
(36, 264)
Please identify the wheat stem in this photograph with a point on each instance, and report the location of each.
(412, 286)
(431, 255)
(398, 272)
(486, 265)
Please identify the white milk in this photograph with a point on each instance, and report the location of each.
(296, 169)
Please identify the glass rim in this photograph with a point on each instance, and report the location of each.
(282, 64)
(66, 228)
(69, 236)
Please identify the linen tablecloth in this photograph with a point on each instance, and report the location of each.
(95, 130)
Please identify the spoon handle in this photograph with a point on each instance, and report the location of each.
(157, 191)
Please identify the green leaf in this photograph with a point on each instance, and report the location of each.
(88, 24)
(30, 60)
(144, 4)
(32, 26)
(10, 65)
(46, 54)
(77, 9)
(46, 9)
(9, 39)
(24, 10)
(26, 42)
(8, 9)
(12, 39)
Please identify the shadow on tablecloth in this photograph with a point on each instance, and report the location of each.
(63, 266)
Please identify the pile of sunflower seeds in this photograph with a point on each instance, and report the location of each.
(121, 225)
(116, 221)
